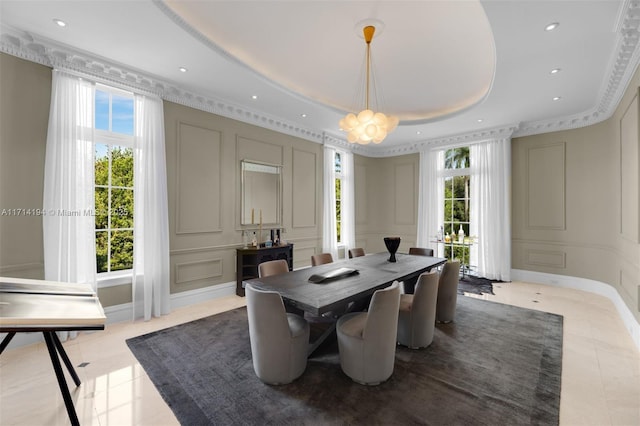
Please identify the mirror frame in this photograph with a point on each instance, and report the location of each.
(277, 169)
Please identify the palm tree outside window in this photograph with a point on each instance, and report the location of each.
(457, 195)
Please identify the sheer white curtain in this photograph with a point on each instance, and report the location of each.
(347, 204)
(150, 213)
(430, 197)
(329, 234)
(491, 207)
(68, 223)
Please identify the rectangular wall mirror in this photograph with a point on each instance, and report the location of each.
(261, 193)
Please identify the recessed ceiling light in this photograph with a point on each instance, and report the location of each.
(418, 132)
(555, 71)
(552, 26)
(557, 98)
(254, 97)
(303, 115)
(479, 120)
(60, 22)
(183, 69)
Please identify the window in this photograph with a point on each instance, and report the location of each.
(339, 177)
(114, 196)
(456, 196)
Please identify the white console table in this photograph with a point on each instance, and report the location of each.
(466, 252)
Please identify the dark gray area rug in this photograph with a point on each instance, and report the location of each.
(494, 365)
(476, 285)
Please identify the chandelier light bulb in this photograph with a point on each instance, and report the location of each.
(368, 126)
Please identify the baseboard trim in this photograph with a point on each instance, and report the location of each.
(592, 286)
(124, 312)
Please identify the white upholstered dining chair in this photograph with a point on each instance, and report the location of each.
(279, 340)
(448, 291)
(367, 340)
(417, 317)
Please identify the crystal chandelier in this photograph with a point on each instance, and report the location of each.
(368, 126)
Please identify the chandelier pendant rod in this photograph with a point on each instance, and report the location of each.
(368, 32)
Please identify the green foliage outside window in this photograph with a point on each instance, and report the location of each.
(456, 198)
(114, 208)
(338, 187)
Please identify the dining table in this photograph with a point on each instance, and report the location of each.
(333, 286)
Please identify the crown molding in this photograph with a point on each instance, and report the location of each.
(55, 55)
(493, 133)
(622, 66)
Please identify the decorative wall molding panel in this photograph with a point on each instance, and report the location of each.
(546, 258)
(405, 177)
(362, 218)
(546, 187)
(304, 189)
(630, 173)
(198, 180)
(197, 270)
(629, 285)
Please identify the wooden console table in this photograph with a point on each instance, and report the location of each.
(248, 259)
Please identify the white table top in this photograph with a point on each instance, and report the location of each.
(31, 303)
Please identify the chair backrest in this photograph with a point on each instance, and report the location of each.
(425, 295)
(421, 251)
(382, 316)
(321, 259)
(267, 317)
(273, 267)
(448, 291)
(450, 275)
(356, 252)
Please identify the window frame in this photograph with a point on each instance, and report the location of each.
(448, 217)
(111, 139)
(338, 177)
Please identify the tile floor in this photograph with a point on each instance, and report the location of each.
(600, 375)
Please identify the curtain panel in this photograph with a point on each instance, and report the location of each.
(150, 289)
(491, 207)
(68, 199)
(68, 222)
(348, 214)
(329, 234)
(430, 197)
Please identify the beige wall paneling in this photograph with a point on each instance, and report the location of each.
(629, 177)
(406, 180)
(198, 179)
(201, 267)
(117, 295)
(25, 97)
(303, 189)
(198, 270)
(546, 258)
(629, 287)
(546, 202)
(303, 252)
(360, 188)
(260, 151)
(386, 202)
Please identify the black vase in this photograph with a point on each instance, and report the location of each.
(392, 244)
